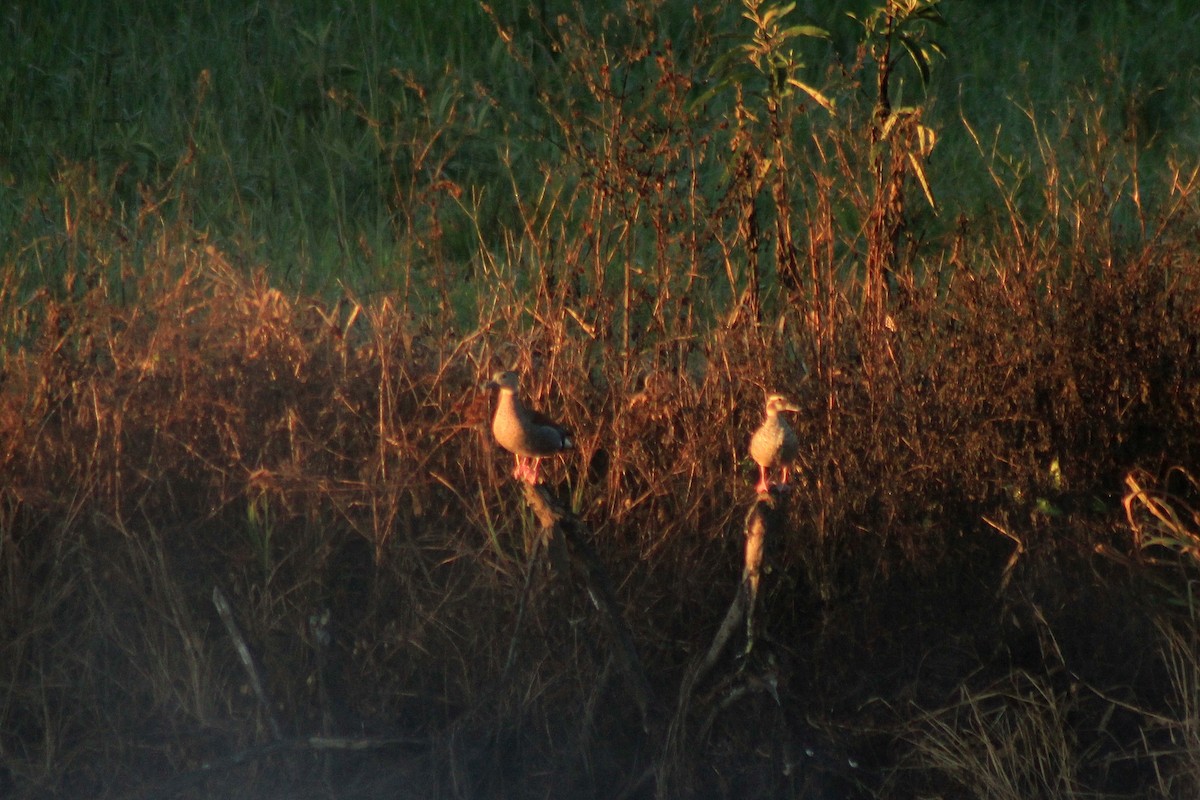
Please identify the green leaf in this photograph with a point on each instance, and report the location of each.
(775, 12)
(926, 139)
(919, 171)
(885, 131)
(701, 100)
(815, 93)
(811, 31)
(918, 56)
(1056, 476)
(1044, 506)
(929, 14)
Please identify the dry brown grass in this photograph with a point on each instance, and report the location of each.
(312, 458)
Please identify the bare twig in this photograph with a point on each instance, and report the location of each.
(559, 522)
(243, 651)
(761, 520)
(762, 517)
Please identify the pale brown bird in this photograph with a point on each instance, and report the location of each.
(525, 433)
(774, 444)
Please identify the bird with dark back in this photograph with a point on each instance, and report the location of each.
(529, 435)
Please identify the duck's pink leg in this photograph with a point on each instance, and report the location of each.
(764, 484)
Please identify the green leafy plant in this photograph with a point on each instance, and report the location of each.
(763, 75)
(903, 25)
(899, 141)
(768, 60)
(1162, 520)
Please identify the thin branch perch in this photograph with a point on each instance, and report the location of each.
(243, 651)
(762, 521)
(559, 522)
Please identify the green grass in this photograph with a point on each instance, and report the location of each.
(1022, 72)
(230, 109)
(235, 112)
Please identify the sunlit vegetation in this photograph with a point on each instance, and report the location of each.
(257, 263)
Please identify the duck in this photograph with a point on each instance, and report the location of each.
(528, 434)
(774, 444)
